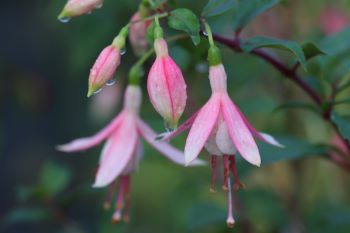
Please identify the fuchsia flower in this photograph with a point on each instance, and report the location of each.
(166, 85)
(137, 34)
(79, 7)
(333, 20)
(222, 129)
(104, 68)
(122, 152)
(107, 63)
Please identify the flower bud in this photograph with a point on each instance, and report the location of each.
(79, 7)
(104, 68)
(137, 34)
(166, 85)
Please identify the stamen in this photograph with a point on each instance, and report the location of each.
(226, 172)
(127, 198)
(108, 200)
(230, 221)
(213, 168)
(237, 183)
(121, 193)
(117, 216)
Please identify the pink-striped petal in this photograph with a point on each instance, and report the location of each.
(239, 132)
(164, 148)
(119, 150)
(88, 142)
(201, 128)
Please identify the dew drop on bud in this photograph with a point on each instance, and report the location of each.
(111, 82)
(99, 6)
(122, 51)
(97, 91)
(64, 19)
(205, 33)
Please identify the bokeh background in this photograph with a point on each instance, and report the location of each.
(44, 67)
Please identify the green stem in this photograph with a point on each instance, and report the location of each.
(209, 33)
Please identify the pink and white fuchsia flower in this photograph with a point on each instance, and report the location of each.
(222, 129)
(123, 150)
(166, 85)
(79, 7)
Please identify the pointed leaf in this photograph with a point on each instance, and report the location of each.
(343, 124)
(217, 7)
(311, 50)
(185, 20)
(268, 42)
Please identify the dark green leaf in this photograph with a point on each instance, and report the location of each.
(295, 148)
(185, 20)
(156, 3)
(54, 178)
(25, 215)
(343, 125)
(268, 42)
(311, 50)
(247, 10)
(337, 43)
(217, 7)
(150, 33)
(301, 105)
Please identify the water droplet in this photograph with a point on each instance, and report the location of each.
(202, 67)
(205, 33)
(64, 19)
(122, 51)
(111, 82)
(89, 13)
(99, 6)
(97, 91)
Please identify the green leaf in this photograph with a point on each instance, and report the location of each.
(156, 3)
(311, 50)
(185, 20)
(337, 43)
(268, 42)
(217, 7)
(296, 104)
(247, 10)
(54, 178)
(295, 148)
(343, 125)
(150, 33)
(29, 214)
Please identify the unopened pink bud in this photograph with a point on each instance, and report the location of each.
(104, 68)
(137, 34)
(166, 85)
(79, 7)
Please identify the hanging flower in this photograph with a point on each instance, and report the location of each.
(107, 63)
(166, 85)
(123, 150)
(79, 7)
(137, 34)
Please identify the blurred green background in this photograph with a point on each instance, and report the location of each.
(44, 68)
